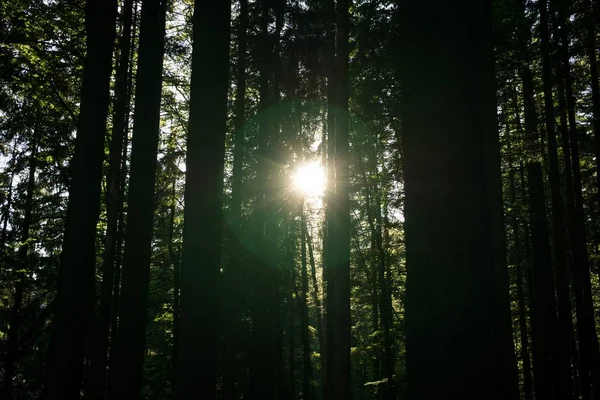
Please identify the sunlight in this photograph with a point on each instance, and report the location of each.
(309, 179)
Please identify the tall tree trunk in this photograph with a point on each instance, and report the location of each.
(307, 375)
(340, 262)
(457, 307)
(265, 373)
(544, 318)
(129, 343)
(233, 278)
(563, 378)
(518, 260)
(123, 183)
(20, 268)
(74, 304)
(291, 384)
(113, 200)
(581, 262)
(329, 273)
(203, 226)
(317, 301)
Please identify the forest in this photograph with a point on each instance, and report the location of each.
(299, 199)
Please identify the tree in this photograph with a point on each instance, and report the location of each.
(128, 355)
(74, 304)
(456, 314)
(203, 221)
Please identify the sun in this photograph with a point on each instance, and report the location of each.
(309, 179)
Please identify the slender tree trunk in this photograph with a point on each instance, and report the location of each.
(544, 318)
(518, 260)
(578, 233)
(265, 373)
(457, 306)
(563, 378)
(74, 304)
(385, 302)
(307, 375)
(203, 227)
(20, 268)
(235, 224)
(291, 386)
(113, 199)
(130, 340)
(317, 301)
(123, 183)
(329, 239)
(340, 380)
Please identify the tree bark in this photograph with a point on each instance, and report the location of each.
(74, 304)
(113, 199)
(232, 279)
(307, 375)
(265, 373)
(203, 221)
(544, 318)
(317, 301)
(457, 306)
(129, 346)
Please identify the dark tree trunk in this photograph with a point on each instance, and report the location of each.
(20, 269)
(340, 261)
(317, 301)
(291, 384)
(385, 304)
(518, 261)
(203, 227)
(128, 356)
(544, 318)
(74, 304)
(307, 375)
(563, 378)
(581, 262)
(233, 278)
(265, 372)
(457, 306)
(329, 273)
(113, 200)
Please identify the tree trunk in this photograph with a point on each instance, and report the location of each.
(203, 227)
(20, 269)
(113, 200)
(307, 375)
(544, 318)
(317, 301)
(563, 379)
(457, 306)
(340, 380)
(265, 373)
(129, 343)
(75, 296)
(233, 278)
(518, 260)
(581, 262)
(329, 273)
